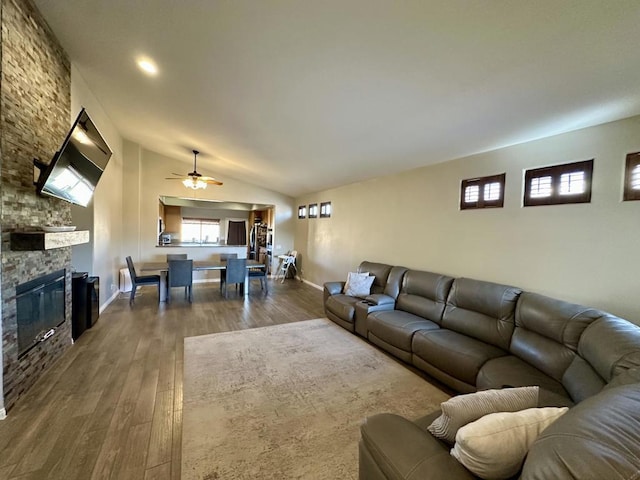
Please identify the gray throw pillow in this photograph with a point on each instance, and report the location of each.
(358, 284)
(463, 409)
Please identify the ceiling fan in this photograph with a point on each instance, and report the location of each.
(194, 179)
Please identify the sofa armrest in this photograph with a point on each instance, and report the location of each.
(401, 450)
(363, 309)
(333, 288)
(380, 299)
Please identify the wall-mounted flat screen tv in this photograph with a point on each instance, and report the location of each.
(75, 169)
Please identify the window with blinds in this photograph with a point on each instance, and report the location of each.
(558, 184)
(325, 209)
(313, 210)
(482, 192)
(632, 177)
(200, 230)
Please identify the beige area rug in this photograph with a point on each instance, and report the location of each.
(287, 401)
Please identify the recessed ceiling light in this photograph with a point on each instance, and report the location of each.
(147, 66)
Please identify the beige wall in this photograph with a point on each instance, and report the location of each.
(144, 182)
(106, 229)
(585, 253)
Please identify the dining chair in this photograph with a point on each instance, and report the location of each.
(236, 272)
(176, 256)
(223, 258)
(137, 280)
(261, 274)
(180, 274)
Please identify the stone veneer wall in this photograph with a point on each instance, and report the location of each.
(35, 103)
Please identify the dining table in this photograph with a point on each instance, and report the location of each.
(198, 266)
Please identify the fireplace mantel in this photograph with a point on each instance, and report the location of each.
(23, 241)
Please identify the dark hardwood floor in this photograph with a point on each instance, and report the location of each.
(111, 407)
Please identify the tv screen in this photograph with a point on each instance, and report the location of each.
(74, 171)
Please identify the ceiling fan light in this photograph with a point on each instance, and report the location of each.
(194, 183)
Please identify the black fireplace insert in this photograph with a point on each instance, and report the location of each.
(40, 305)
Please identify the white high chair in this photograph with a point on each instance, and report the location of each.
(287, 262)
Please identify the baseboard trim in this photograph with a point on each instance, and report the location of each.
(3, 414)
(207, 280)
(310, 283)
(104, 306)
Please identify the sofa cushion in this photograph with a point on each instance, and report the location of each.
(463, 409)
(454, 353)
(343, 306)
(547, 335)
(598, 438)
(481, 310)
(510, 371)
(611, 345)
(495, 446)
(394, 281)
(396, 327)
(424, 294)
(380, 272)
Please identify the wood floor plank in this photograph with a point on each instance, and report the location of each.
(112, 404)
(85, 454)
(134, 458)
(161, 430)
(161, 472)
(176, 451)
(60, 415)
(5, 472)
(61, 455)
(167, 370)
(145, 403)
(178, 385)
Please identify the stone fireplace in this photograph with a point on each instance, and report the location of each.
(35, 102)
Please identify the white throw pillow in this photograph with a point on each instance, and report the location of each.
(462, 409)
(358, 284)
(495, 446)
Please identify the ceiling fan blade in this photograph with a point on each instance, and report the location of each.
(194, 176)
(211, 180)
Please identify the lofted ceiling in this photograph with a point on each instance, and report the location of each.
(303, 95)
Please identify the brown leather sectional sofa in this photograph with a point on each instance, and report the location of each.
(474, 335)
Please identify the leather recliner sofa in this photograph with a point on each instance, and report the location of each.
(341, 308)
(474, 335)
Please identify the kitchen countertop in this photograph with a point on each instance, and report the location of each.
(187, 244)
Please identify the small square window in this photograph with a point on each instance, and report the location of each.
(558, 184)
(632, 177)
(325, 209)
(471, 194)
(482, 192)
(541, 187)
(492, 191)
(313, 210)
(572, 183)
(302, 211)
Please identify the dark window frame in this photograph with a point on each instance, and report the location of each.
(481, 183)
(556, 172)
(632, 161)
(322, 207)
(302, 212)
(311, 212)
